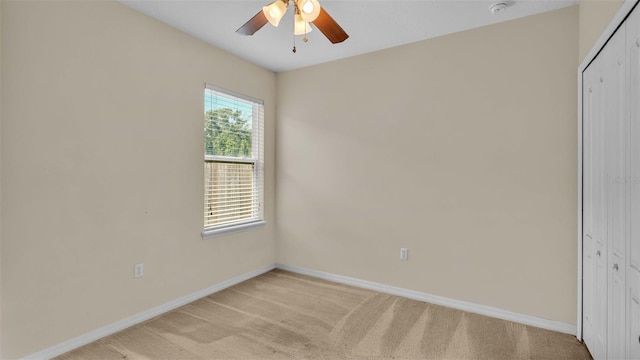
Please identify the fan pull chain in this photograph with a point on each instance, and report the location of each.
(294, 32)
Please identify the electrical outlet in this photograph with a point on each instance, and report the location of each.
(138, 270)
(404, 254)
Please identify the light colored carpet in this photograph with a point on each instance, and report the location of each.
(282, 315)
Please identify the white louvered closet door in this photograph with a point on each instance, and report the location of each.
(595, 213)
(616, 160)
(611, 196)
(588, 262)
(633, 247)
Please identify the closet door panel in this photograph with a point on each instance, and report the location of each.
(588, 245)
(616, 159)
(600, 215)
(598, 208)
(633, 246)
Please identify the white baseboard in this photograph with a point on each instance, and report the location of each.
(434, 299)
(439, 300)
(143, 316)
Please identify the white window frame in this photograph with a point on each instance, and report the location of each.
(257, 160)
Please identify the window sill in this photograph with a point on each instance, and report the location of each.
(215, 232)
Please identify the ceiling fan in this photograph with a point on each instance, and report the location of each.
(306, 11)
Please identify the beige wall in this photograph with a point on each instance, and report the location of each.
(595, 15)
(461, 148)
(102, 168)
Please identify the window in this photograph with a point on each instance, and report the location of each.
(233, 162)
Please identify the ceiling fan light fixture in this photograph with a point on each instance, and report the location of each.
(275, 11)
(309, 9)
(301, 27)
(306, 11)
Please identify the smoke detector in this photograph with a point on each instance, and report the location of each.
(498, 7)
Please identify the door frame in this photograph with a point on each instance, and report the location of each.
(620, 16)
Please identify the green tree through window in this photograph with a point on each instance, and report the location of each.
(227, 132)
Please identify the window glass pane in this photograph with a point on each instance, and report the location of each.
(227, 126)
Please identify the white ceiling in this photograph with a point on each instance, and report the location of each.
(371, 25)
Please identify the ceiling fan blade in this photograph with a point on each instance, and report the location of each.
(330, 27)
(254, 24)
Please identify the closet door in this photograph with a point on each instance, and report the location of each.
(600, 214)
(595, 213)
(633, 247)
(611, 196)
(588, 244)
(616, 160)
